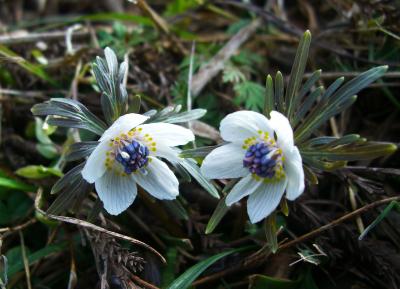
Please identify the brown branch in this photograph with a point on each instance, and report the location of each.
(19, 227)
(338, 221)
(216, 64)
(94, 227)
(143, 283)
(254, 262)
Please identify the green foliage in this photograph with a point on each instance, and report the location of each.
(122, 39)
(69, 113)
(305, 281)
(46, 147)
(328, 153)
(308, 109)
(186, 279)
(25, 64)
(16, 264)
(393, 205)
(219, 212)
(14, 206)
(110, 76)
(9, 183)
(180, 6)
(38, 172)
(251, 94)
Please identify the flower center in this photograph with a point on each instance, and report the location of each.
(263, 158)
(130, 151)
(133, 156)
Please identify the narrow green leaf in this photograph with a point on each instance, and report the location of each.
(187, 278)
(339, 101)
(191, 166)
(28, 66)
(35, 257)
(116, 17)
(15, 185)
(368, 150)
(38, 172)
(269, 96)
(71, 177)
(306, 105)
(176, 208)
(381, 216)
(309, 84)
(266, 282)
(292, 98)
(271, 232)
(279, 92)
(168, 272)
(80, 150)
(69, 113)
(219, 212)
(200, 152)
(186, 116)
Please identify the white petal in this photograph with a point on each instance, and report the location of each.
(295, 174)
(123, 124)
(264, 201)
(243, 188)
(168, 134)
(225, 162)
(95, 164)
(168, 153)
(283, 130)
(160, 181)
(238, 126)
(117, 192)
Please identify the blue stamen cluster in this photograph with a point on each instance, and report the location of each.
(259, 162)
(133, 156)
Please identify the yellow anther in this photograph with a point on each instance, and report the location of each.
(146, 135)
(154, 144)
(153, 149)
(140, 129)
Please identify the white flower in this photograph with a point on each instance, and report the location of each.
(128, 154)
(261, 151)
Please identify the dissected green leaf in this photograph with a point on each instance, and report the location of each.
(251, 94)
